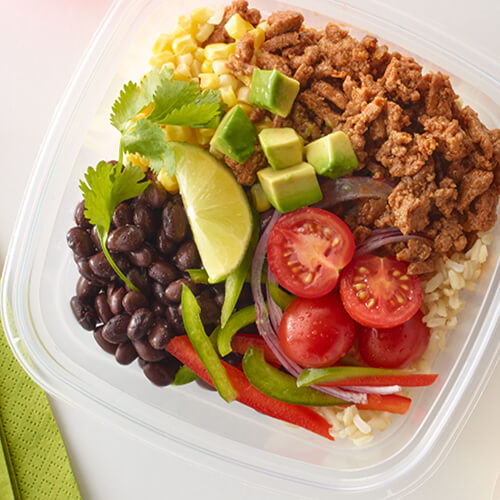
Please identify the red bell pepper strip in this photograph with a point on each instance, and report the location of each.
(410, 380)
(387, 402)
(242, 341)
(304, 417)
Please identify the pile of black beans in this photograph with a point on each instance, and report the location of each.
(151, 242)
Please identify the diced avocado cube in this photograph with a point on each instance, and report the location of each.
(235, 136)
(290, 188)
(332, 155)
(273, 91)
(283, 147)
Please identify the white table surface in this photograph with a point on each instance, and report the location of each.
(42, 42)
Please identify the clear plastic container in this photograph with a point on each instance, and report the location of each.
(40, 276)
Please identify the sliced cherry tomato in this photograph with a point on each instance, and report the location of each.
(306, 250)
(397, 347)
(378, 291)
(316, 332)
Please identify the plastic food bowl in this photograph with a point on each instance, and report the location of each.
(40, 277)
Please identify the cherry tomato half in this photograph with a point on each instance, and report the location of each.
(397, 347)
(378, 292)
(316, 332)
(306, 250)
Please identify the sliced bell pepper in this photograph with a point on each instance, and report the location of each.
(363, 376)
(387, 402)
(203, 346)
(198, 276)
(182, 349)
(279, 385)
(184, 376)
(236, 279)
(282, 298)
(242, 341)
(239, 319)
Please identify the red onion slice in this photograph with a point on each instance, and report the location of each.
(351, 188)
(383, 390)
(379, 238)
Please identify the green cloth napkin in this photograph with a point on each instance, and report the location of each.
(34, 464)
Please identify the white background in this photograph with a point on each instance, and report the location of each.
(41, 44)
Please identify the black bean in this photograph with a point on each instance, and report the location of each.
(100, 266)
(174, 317)
(144, 218)
(142, 257)
(161, 334)
(155, 195)
(94, 234)
(146, 352)
(159, 293)
(125, 239)
(103, 343)
(121, 261)
(219, 299)
(158, 308)
(209, 311)
(79, 215)
(204, 385)
(134, 300)
(102, 308)
(173, 291)
(141, 323)
(245, 298)
(140, 279)
(80, 242)
(115, 330)
(175, 223)
(163, 272)
(84, 269)
(85, 289)
(187, 256)
(115, 299)
(141, 362)
(161, 373)
(125, 353)
(122, 215)
(84, 313)
(233, 358)
(164, 244)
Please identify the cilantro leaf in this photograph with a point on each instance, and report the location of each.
(148, 139)
(106, 186)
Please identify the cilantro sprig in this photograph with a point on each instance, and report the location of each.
(106, 186)
(173, 102)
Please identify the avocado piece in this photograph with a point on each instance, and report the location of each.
(332, 155)
(283, 147)
(273, 91)
(290, 188)
(235, 136)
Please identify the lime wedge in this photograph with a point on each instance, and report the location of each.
(217, 209)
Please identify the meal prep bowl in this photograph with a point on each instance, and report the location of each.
(40, 277)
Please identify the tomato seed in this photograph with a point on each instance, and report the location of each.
(359, 286)
(396, 273)
(405, 287)
(370, 303)
(362, 295)
(404, 278)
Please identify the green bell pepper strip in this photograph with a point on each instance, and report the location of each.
(184, 376)
(239, 319)
(236, 279)
(203, 346)
(281, 386)
(198, 276)
(362, 376)
(282, 298)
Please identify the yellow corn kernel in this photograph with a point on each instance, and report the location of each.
(229, 81)
(244, 94)
(199, 54)
(203, 135)
(169, 183)
(162, 58)
(206, 66)
(183, 72)
(163, 42)
(236, 27)
(137, 160)
(209, 81)
(259, 36)
(183, 44)
(169, 65)
(259, 198)
(178, 133)
(219, 51)
(220, 67)
(185, 24)
(267, 123)
(203, 32)
(246, 80)
(228, 96)
(201, 14)
(185, 59)
(263, 25)
(216, 153)
(245, 107)
(196, 68)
